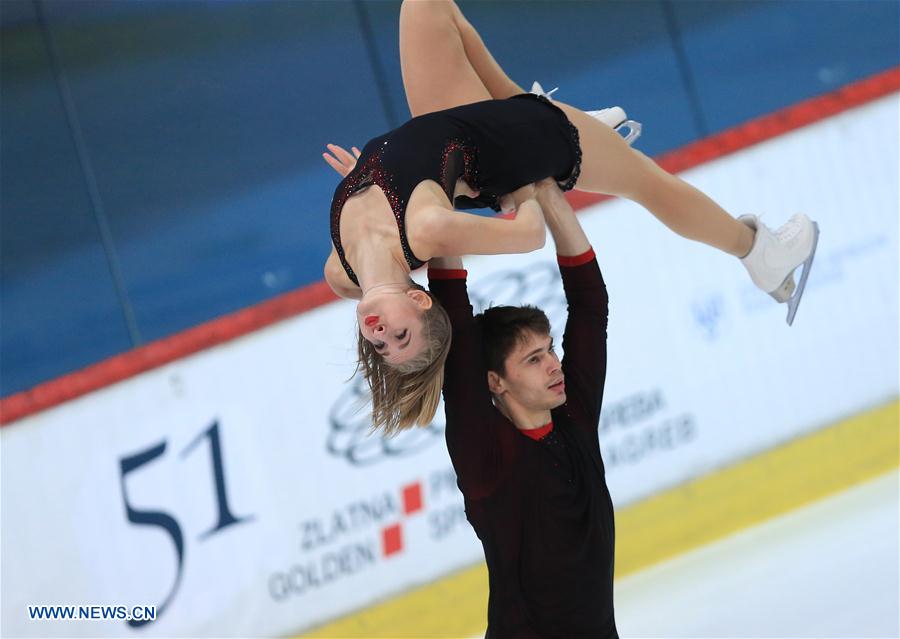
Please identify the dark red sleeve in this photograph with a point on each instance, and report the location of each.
(473, 435)
(584, 339)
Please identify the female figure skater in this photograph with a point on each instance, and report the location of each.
(476, 137)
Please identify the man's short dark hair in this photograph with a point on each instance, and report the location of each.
(502, 327)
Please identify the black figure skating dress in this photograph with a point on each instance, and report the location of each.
(495, 146)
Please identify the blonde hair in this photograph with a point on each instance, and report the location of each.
(408, 393)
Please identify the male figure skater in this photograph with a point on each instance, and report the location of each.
(522, 431)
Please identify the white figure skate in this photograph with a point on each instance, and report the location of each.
(613, 117)
(774, 257)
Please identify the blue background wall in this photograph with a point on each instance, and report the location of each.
(184, 180)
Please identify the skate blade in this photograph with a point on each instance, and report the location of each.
(634, 130)
(783, 293)
(794, 301)
(537, 89)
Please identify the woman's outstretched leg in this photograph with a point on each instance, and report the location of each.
(444, 61)
(610, 166)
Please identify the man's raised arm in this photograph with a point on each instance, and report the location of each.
(584, 340)
(472, 440)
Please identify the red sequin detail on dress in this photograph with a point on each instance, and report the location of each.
(369, 173)
(469, 174)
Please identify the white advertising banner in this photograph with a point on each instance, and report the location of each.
(239, 492)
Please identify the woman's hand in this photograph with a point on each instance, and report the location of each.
(341, 161)
(511, 202)
(463, 188)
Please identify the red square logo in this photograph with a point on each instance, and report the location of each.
(392, 540)
(412, 498)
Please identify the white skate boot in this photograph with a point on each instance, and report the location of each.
(613, 117)
(774, 257)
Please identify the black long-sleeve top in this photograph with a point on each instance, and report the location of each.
(541, 508)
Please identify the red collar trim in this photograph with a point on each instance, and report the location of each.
(539, 433)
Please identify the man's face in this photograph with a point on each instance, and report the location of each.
(534, 377)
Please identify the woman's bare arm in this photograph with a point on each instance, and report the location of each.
(455, 233)
(449, 233)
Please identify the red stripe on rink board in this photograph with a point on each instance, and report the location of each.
(766, 127)
(163, 351)
(229, 327)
